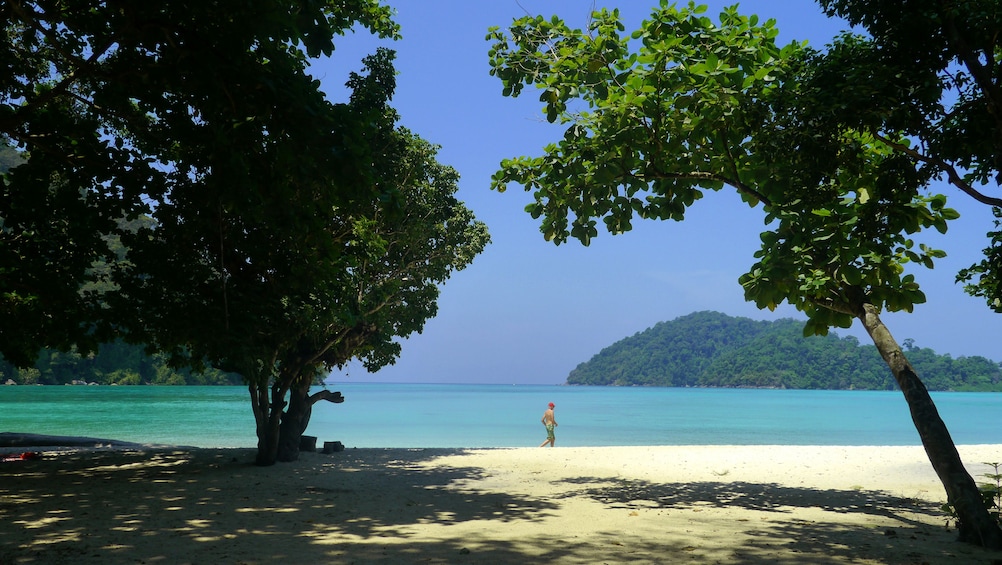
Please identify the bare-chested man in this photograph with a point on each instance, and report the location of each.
(550, 422)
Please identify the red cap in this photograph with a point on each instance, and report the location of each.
(552, 405)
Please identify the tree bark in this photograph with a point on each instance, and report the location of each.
(975, 523)
(267, 417)
(297, 418)
(292, 422)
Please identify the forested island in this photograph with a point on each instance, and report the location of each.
(113, 364)
(710, 349)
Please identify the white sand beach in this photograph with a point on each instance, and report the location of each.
(666, 504)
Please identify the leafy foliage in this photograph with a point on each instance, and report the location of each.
(655, 127)
(113, 364)
(687, 105)
(288, 233)
(984, 278)
(931, 71)
(709, 349)
(130, 109)
(698, 106)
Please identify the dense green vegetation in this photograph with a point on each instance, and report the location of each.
(182, 182)
(113, 364)
(710, 349)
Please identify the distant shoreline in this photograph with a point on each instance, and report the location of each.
(29, 440)
(571, 385)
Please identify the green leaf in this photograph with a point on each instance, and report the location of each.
(864, 195)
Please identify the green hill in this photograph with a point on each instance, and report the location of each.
(710, 349)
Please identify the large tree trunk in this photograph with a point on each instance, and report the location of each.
(976, 525)
(297, 417)
(294, 422)
(267, 418)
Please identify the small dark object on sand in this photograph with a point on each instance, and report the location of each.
(26, 456)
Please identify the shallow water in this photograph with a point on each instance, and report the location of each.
(450, 415)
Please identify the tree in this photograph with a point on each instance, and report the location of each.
(394, 288)
(926, 85)
(121, 107)
(393, 284)
(698, 107)
(289, 233)
(329, 279)
(932, 71)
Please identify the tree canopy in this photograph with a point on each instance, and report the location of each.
(685, 104)
(124, 109)
(698, 107)
(931, 73)
(287, 233)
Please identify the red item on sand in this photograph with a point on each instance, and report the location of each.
(27, 455)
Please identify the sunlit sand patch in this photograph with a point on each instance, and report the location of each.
(16, 499)
(157, 461)
(199, 523)
(125, 528)
(205, 539)
(57, 537)
(276, 510)
(41, 522)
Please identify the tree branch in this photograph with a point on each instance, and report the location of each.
(30, 19)
(951, 172)
(704, 176)
(982, 74)
(327, 395)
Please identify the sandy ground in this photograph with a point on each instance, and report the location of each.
(690, 504)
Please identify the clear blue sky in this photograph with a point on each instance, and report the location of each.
(528, 311)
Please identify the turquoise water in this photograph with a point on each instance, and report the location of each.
(430, 415)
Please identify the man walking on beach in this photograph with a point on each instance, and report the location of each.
(550, 422)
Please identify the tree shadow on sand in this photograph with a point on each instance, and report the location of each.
(168, 506)
(193, 506)
(915, 531)
(753, 496)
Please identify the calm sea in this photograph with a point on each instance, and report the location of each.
(440, 415)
